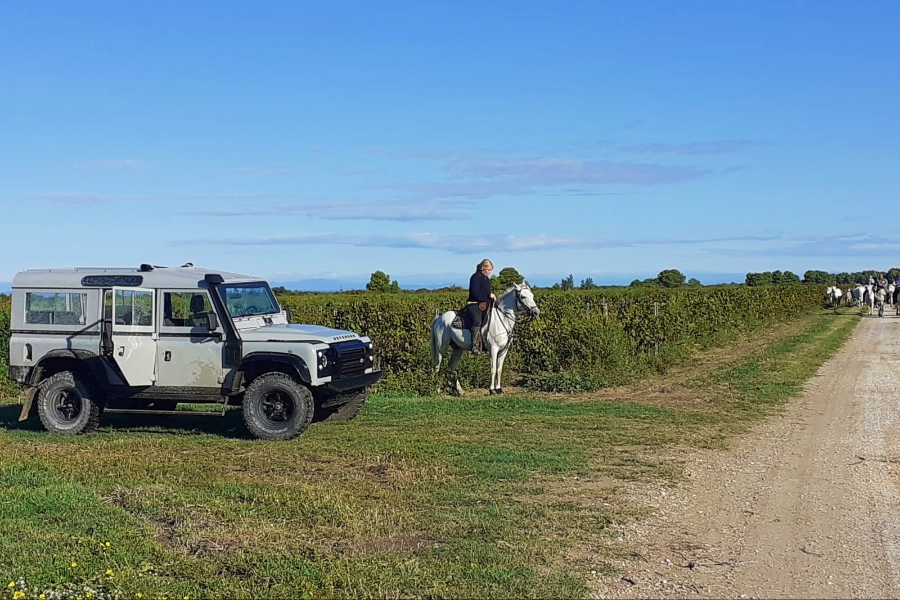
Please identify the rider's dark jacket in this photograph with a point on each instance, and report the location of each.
(479, 287)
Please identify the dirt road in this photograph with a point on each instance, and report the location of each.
(807, 506)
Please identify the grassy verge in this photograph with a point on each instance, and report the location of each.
(437, 497)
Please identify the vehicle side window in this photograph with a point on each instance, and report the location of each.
(134, 307)
(49, 308)
(186, 309)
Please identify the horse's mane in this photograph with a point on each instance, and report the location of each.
(510, 290)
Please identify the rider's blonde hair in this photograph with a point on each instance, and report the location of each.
(485, 263)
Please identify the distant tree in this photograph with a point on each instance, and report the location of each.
(813, 276)
(649, 282)
(509, 276)
(789, 277)
(693, 282)
(567, 283)
(893, 273)
(754, 279)
(496, 286)
(588, 284)
(670, 278)
(279, 290)
(379, 282)
(843, 278)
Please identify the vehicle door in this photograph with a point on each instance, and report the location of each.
(133, 334)
(189, 353)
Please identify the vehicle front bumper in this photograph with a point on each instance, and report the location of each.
(356, 382)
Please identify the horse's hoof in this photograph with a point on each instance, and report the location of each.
(490, 392)
(498, 391)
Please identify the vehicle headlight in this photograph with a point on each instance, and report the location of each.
(323, 360)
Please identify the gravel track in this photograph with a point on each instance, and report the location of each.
(807, 506)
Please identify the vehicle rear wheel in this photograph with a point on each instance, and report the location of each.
(346, 411)
(68, 404)
(277, 408)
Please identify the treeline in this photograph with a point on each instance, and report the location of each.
(381, 282)
(818, 277)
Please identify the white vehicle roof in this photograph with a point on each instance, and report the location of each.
(158, 277)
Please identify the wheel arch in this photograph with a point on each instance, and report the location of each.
(256, 364)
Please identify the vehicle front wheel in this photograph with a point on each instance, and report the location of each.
(68, 404)
(277, 408)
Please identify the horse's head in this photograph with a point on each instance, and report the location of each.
(525, 300)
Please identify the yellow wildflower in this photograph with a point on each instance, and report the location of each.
(19, 594)
(108, 544)
(109, 572)
(139, 595)
(74, 564)
(12, 584)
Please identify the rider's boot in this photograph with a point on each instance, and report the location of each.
(476, 340)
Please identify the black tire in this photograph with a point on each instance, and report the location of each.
(277, 408)
(347, 411)
(68, 404)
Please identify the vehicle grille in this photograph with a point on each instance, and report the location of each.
(350, 358)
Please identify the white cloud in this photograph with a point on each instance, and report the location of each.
(462, 244)
(693, 148)
(355, 211)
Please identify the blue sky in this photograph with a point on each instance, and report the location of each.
(318, 142)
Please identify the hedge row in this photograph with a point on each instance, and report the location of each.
(573, 346)
(583, 340)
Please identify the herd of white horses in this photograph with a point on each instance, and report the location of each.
(863, 295)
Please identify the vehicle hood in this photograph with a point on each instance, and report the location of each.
(296, 333)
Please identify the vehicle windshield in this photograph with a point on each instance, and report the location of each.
(248, 299)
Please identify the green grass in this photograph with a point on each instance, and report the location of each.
(433, 497)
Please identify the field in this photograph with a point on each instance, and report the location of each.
(420, 496)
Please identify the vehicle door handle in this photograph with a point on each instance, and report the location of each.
(168, 355)
(121, 350)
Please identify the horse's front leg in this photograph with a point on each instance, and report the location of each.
(498, 389)
(495, 378)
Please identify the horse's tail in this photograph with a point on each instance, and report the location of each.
(435, 357)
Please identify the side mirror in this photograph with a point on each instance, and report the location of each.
(287, 314)
(213, 321)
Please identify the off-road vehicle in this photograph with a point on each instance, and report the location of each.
(89, 341)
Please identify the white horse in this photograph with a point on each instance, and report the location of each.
(890, 294)
(516, 301)
(876, 299)
(833, 296)
(858, 294)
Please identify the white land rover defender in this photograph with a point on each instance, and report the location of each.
(142, 340)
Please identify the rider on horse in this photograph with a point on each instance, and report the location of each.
(480, 297)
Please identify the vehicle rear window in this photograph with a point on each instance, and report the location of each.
(54, 308)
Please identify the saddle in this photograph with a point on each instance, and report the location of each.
(463, 320)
